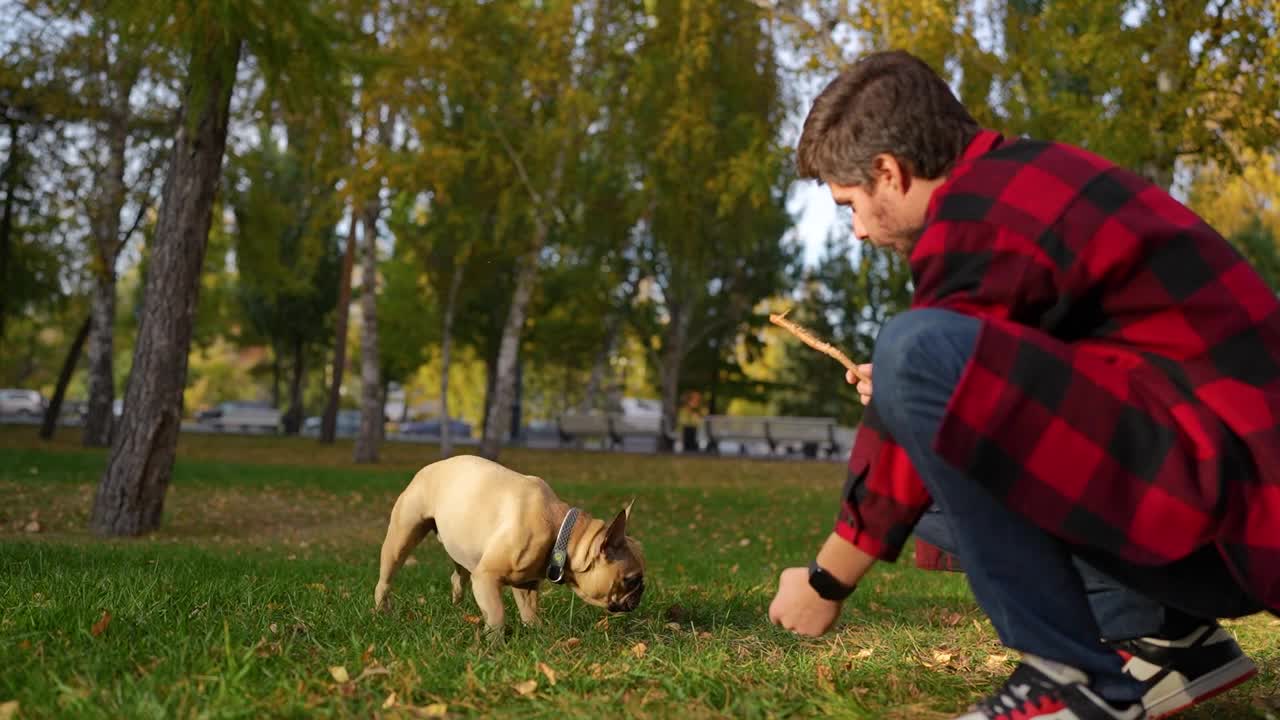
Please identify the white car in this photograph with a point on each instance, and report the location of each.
(21, 402)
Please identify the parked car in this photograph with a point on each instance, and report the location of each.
(14, 401)
(431, 428)
(244, 416)
(347, 425)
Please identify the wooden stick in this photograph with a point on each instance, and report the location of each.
(814, 342)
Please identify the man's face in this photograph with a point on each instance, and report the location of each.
(881, 217)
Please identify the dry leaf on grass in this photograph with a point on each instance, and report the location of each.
(339, 674)
(434, 710)
(473, 619)
(525, 688)
(32, 527)
(8, 710)
(390, 702)
(864, 653)
(370, 671)
(639, 649)
(995, 661)
(101, 626)
(410, 561)
(823, 673)
(545, 669)
(603, 623)
(570, 643)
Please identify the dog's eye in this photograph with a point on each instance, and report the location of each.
(632, 581)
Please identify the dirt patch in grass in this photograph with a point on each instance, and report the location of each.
(290, 517)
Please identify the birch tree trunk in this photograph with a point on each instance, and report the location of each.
(329, 423)
(499, 416)
(446, 355)
(370, 435)
(107, 242)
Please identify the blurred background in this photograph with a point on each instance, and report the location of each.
(560, 221)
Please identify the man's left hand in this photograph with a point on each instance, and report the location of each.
(798, 607)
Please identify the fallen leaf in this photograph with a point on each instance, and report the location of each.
(545, 669)
(275, 629)
(525, 688)
(367, 656)
(422, 600)
(339, 674)
(942, 658)
(32, 527)
(639, 649)
(473, 619)
(864, 653)
(704, 635)
(390, 702)
(101, 626)
(744, 542)
(374, 669)
(8, 710)
(954, 619)
(824, 676)
(673, 626)
(603, 623)
(411, 561)
(994, 661)
(434, 710)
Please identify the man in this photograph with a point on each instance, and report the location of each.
(1087, 386)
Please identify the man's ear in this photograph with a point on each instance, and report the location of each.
(888, 171)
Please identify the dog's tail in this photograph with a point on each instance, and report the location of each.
(408, 526)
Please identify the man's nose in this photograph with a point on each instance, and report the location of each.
(859, 230)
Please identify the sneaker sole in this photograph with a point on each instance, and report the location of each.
(1203, 688)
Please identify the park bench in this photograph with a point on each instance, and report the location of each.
(576, 427)
(780, 433)
(614, 428)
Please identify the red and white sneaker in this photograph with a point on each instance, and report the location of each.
(1047, 690)
(1186, 671)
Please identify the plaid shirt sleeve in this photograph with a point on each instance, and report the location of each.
(883, 497)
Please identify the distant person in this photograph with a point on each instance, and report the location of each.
(1087, 386)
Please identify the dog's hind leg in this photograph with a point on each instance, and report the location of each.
(404, 532)
(461, 576)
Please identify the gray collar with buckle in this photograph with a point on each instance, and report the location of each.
(560, 552)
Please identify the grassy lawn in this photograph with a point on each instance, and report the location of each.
(254, 600)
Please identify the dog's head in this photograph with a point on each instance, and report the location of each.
(607, 567)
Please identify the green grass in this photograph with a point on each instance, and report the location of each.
(261, 581)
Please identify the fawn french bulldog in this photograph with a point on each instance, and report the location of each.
(504, 528)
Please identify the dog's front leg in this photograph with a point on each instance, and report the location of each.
(461, 576)
(488, 593)
(527, 601)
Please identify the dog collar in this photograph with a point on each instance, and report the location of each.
(560, 552)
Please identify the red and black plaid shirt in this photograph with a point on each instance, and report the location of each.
(1124, 392)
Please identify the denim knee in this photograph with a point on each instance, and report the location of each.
(915, 351)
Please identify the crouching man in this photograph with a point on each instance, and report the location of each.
(1086, 389)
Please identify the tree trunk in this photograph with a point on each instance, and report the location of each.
(293, 418)
(673, 352)
(130, 498)
(50, 423)
(275, 374)
(6, 217)
(107, 239)
(366, 450)
(500, 407)
(446, 355)
(329, 423)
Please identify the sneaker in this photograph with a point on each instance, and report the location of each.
(1040, 688)
(1187, 671)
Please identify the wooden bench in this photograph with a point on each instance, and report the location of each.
(813, 434)
(576, 427)
(614, 428)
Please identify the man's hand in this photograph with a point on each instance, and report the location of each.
(864, 386)
(798, 607)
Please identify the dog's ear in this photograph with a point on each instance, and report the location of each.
(616, 536)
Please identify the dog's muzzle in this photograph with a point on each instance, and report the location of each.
(632, 591)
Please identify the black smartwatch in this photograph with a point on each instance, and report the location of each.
(827, 587)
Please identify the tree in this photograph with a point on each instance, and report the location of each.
(712, 231)
(130, 498)
(286, 211)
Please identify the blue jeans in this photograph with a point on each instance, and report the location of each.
(1042, 596)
